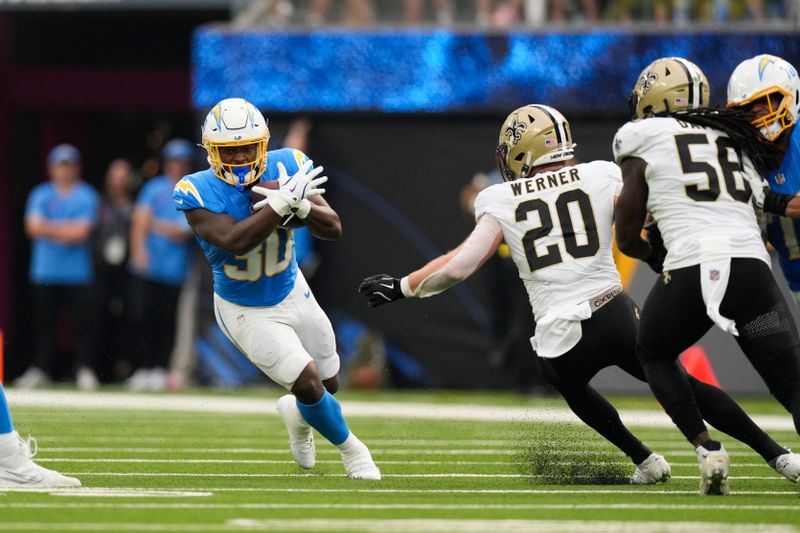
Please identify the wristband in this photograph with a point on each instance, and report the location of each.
(405, 288)
(775, 202)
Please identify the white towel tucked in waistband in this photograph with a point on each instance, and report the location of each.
(559, 330)
(714, 282)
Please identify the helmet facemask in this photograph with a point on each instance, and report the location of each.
(238, 175)
(779, 117)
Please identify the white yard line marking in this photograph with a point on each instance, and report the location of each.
(405, 525)
(481, 526)
(408, 506)
(333, 461)
(329, 450)
(638, 491)
(105, 492)
(390, 410)
(301, 474)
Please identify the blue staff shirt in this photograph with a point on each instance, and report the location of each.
(53, 262)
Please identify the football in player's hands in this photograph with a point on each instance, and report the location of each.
(381, 289)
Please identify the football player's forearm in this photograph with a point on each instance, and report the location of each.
(323, 223)
(250, 232)
(418, 276)
(785, 205)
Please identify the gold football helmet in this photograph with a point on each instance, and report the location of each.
(669, 84)
(531, 136)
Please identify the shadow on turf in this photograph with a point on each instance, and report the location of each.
(546, 455)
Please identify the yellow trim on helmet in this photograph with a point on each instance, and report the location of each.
(255, 167)
(774, 115)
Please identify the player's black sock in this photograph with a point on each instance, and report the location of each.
(601, 416)
(723, 413)
(669, 385)
(712, 445)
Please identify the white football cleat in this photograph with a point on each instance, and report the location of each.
(358, 461)
(652, 470)
(714, 468)
(788, 465)
(33, 378)
(301, 437)
(18, 470)
(86, 379)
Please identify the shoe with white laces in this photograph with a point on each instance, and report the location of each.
(652, 470)
(357, 460)
(86, 379)
(18, 470)
(714, 468)
(787, 465)
(33, 378)
(301, 438)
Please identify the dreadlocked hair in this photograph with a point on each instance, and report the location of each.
(736, 124)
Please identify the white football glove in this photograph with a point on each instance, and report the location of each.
(292, 196)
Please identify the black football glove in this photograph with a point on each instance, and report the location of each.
(381, 289)
(656, 259)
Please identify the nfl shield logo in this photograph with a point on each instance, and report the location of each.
(780, 179)
(714, 275)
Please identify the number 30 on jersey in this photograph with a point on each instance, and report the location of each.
(272, 257)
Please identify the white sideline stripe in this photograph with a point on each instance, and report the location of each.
(404, 526)
(407, 506)
(217, 404)
(331, 461)
(299, 474)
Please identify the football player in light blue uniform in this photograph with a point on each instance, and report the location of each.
(770, 87)
(261, 300)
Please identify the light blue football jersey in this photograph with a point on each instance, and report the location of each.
(783, 232)
(265, 275)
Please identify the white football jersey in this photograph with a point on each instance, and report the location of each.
(699, 190)
(558, 228)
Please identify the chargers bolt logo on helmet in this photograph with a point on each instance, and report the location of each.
(236, 122)
(764, 76)
(533, 135)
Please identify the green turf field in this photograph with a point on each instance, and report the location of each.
(156, 470)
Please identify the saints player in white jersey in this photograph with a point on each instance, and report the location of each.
(557, 221)
(695, 181)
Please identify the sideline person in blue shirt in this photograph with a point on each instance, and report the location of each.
(160, 247)
(58, 218)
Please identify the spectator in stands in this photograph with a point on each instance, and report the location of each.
(159, 263)
(58, 219)
(414, 11)
(352, 12)
(112, 286)
(264, 13)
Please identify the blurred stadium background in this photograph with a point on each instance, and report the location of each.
(401, 102)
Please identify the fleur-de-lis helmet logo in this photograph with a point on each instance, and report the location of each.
(647, 80)
(515, 129)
